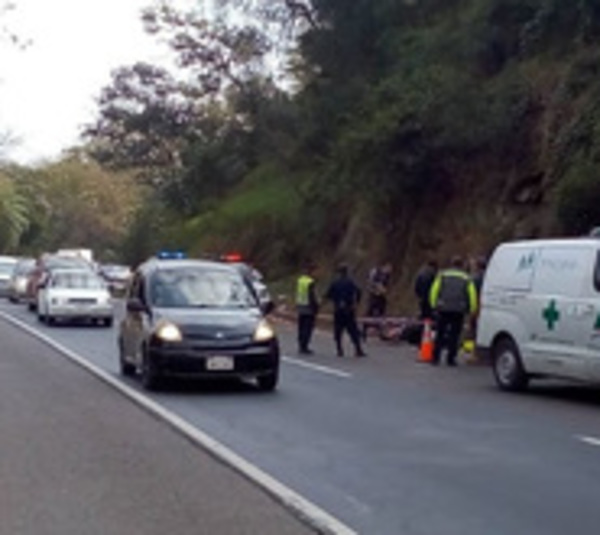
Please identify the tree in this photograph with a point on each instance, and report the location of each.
(14, 214)
(144, 118)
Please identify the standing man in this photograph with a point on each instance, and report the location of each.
(307, 307)
(423, 282)
(452, 296)
(377, 284)
(345, 296)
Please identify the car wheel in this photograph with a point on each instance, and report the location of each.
(508, 366)
(51, 320)
(31, 307)
(151, 378)
(268, 383)
(126, 368)
(41, 318)
(108, 322)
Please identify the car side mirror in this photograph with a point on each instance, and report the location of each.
(135, 305)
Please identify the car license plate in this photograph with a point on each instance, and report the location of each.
(220, 363)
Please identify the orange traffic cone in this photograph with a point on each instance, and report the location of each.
(426, 349)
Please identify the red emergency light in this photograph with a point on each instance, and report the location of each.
(232, 257)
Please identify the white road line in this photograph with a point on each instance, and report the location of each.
(317, 367)
(308, 512)
(592, 441)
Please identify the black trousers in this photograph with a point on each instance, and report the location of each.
(425, 310)
(345, 321)
(306, 326)
(376, 309)
(449, 327)
(377, 305)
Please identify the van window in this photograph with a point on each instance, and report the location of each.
(561, 271)
(511, 268)
(597, 272)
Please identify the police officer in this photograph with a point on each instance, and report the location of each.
(423, 282)
(307, 307)
(452, 296)
(345, 295)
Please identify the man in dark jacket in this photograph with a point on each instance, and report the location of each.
(423, 283)
(452, 296)
(345, 296)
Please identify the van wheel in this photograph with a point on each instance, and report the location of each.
(508, 367)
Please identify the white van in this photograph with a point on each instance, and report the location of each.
(540, 311)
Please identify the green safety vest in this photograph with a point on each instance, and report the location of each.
(302, 287)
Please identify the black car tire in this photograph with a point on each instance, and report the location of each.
(107, 322)
(126, 368)
(268, 382)
(41, 318)
(50, 320)
(150, 376)
(508, 367)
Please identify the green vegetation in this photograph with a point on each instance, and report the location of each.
(404, 129)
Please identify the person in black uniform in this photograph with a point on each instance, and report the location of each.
(423, 282)
(345, 296)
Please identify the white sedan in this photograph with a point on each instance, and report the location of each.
(75, 294)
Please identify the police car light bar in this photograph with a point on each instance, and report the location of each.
(170, 255)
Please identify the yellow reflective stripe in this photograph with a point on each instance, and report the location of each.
(302, 287)
(434, 292)
(472, 297)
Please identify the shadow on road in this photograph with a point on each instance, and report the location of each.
(573, 393)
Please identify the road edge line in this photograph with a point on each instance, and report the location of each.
(301, 508)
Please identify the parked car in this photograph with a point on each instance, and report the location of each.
(195, 318)
(17, 286)
(117, 276)
(7, 266)
(258, 284)
(74, 294)
(44, 264)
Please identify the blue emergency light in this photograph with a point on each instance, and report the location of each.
(170, 255)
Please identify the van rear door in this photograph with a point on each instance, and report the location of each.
(589, 335)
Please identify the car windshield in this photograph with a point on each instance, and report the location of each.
(65, 261)
(6, 268)
(79, 280)
(200, 288)
(116, 271)
(24, 267)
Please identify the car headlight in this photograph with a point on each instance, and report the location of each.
(264, 332)
(168, 332)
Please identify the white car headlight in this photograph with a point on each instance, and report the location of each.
(264, 332)
(168, 332)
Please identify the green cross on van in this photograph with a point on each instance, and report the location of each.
(551, 314)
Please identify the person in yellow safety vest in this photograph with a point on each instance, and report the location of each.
(452, 296)
(307, 307)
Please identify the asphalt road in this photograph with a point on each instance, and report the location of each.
(78, 459)
(391, 446)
